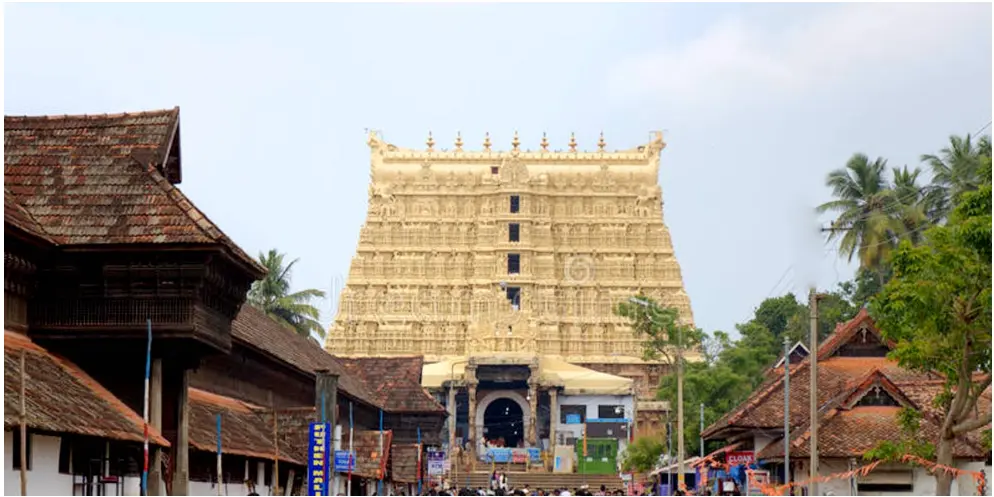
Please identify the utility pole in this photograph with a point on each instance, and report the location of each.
(813, 394)
(679, 409)
(786, 412)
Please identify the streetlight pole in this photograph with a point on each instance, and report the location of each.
(679, 389)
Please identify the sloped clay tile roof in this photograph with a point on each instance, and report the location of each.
(244, 428)
(16, 215)
(836, 375)
(61, 398)
(254, 328)
(395, 381)
(92, 180)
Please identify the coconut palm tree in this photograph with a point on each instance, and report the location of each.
(867, 224)
(272, 295)
(956, 169)
(913, 203)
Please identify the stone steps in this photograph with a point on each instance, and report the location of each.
(543, 480)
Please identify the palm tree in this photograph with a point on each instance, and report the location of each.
(272, 295)
(956, 169)
(867, 224)
(913, 204)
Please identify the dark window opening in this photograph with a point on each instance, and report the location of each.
(514, 232)
(17, 450)
(513, 263)
(65, 456)
(514, 295)
(883, 487)
(570, 414)
(611, 412)
(877, 397)
(515, 204)
(493, 170)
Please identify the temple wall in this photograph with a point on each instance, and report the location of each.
(573, 233)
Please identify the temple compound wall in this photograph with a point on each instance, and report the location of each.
(474, 253)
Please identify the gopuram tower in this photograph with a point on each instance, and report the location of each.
(469, 253)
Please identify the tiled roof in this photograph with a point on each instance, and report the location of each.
(244, 428)
(61, 398)
(404, 462)
(848, 430)
(16, 215)
(94, 180)
(395, 381)
(836, 375)
(254, 328)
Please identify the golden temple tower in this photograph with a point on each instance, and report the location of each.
(496, 252)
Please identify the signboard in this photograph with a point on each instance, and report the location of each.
(317, 463)
(573, 419)
(740, 458)
(436, 463)
(504, 455)
(343, 459)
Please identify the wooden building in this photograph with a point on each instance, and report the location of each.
(100, 246)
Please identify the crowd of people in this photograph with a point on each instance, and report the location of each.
(499, 485)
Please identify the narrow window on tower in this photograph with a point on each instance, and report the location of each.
(513, 263)
(514, 295)
(513, 232)
(515, 204)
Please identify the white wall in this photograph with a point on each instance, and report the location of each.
(44, 477)
(591, 402)
(923, 482)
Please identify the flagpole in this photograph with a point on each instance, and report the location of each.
(148, 373)
(383, 463)
(219, 477)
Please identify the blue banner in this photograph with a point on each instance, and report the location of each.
(317, 464)
(342, 460)
(573, 419)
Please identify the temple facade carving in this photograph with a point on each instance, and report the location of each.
(476, 252)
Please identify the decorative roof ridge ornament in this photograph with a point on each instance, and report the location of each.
(601, 143)
(545, 143)
(458, 141)
(515, 142)
(430, 142)
(572, 142)
(486, 142)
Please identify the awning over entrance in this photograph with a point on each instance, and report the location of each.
(553, 371)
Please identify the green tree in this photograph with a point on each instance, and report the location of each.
(273, 296)
(956, 169)
(865, 205)
(643, 454)
(937, 308)
(912, 203)
(660, 329)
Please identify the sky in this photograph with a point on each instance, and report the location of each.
(757, 102)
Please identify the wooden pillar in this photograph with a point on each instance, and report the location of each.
(451, 406)
(155, 420)
(181, 449)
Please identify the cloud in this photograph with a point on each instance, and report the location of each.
(743, 59)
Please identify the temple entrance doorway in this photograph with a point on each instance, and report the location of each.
(503, 421)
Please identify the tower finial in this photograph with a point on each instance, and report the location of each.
(430, 142)
(545, 143)
(458, 141)
(572, 142)
(515, 142)
(486, 142)
(601, 143)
